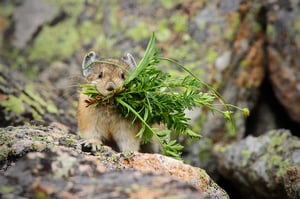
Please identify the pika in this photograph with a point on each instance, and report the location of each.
(104, 124)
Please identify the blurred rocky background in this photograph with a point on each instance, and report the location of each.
(247, 50)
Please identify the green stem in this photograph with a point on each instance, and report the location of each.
(140, 118)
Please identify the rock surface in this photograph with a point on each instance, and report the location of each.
(28, 18)
(46, 161)
(283, 55)
(23, 100)
(269, 161)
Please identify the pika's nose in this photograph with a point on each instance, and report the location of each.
(110, 87)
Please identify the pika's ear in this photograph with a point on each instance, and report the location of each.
(88, 59)
(129, 59)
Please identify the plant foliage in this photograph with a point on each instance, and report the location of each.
(152, 96)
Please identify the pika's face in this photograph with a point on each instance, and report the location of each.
(107, 74)
(108, 78)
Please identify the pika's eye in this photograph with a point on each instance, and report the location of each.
(100, 75)
(123, 75)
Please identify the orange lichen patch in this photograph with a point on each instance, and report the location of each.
(253, 73)
(243, 32)
(165, 165)
(42, 189)
(3, 97)
(147, 193)
(3, 24)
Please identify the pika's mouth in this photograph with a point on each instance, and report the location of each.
(106, 90)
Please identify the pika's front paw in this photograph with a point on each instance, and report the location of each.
(94, 145)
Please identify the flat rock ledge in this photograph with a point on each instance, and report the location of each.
(48, 162)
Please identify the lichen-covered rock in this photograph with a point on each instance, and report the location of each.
(23, 100)
(47, 161)
(62, 173)
(284, 55)
(263, 161)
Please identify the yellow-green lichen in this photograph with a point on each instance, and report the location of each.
(274, 157)
(211, 55)
(13, 104)
(244, 63)
(41, 195)
(163, 34)
(6, 189)
(88, 31)
(179, 22)
(171, 197)
(25, 98)
(167, 4)
(202, 174)
(246, 155)
(271, 32)
(38, 102)
(7, 10)
(6, 143)
(275, 144)
(139, 32)
(51, 108)
(113, 158)
(277, 163)
(56, 42)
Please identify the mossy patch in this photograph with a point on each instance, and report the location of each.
(211, 55)
(246, 154)
(55, 42)
(202, 174)
(139, 32)
(7, 10)
(276, 158)
(179, 22)
(6, 189)
(167, 4)
(38, 101)
(5, 145)
(13, 104)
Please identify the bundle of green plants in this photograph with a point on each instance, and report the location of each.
(153, 96)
